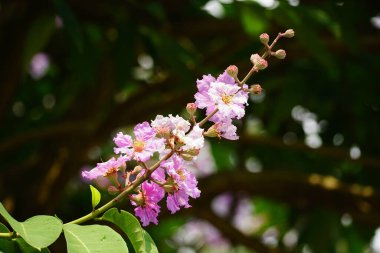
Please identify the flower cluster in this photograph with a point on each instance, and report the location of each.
(165, 149)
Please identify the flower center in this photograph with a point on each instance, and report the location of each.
(227, 99)
(138, 145)
(110, 171)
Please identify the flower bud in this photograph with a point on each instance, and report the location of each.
(232, 71)
(280, 54)
(189, 155)
(137, 169)
(212, 131)
(162, 132)
(256, 89)
(264, 38)
(261, 64)
(191, 108)
(255, 58)
(288, 33)
(138, 199)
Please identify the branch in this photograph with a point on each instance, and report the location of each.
(302, 191)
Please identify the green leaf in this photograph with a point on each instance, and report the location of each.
(93, 238)
(140, 239)
(150, 246)
(38, 231)
(8, 246)
(26, 248)
(95, 196)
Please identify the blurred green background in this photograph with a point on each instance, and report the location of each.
(304, 176)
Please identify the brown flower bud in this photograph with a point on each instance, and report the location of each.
(264, 38)
(289, 33)
(232, 71)
(256, 89)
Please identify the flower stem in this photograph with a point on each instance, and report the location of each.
(7, 235)
(201, 123)
(265, 55)
(122, 195)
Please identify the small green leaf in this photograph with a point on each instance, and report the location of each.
(140, 239)
(95, 196)
(93, 238)
(38, 231)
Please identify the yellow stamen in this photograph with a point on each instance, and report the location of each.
(226, 99)
(138, 145)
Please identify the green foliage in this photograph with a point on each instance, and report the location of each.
(38, 231)
(140, 239)
(95, 196)
(93, 238)
(26, 248)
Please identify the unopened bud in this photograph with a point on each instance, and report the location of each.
(113, 190)
(280, 54)
(264, 38)
(191, 108)
(137, 169)
(255, 58)
(256, 89)
(261, 64)
(138, 199)
(232, 71)
(162, 132)
(189, 155)
(212, 131)
(289, 33)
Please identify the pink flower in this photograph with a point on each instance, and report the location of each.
(227, 130)
(177, 199)
(142, 147)
(228, 100)
(147, 209)
(106, 168)
(177, 128)
(222, 94)
(183, 181)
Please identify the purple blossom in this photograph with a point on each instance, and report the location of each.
(227, 130)
(179, 128)
(185, 184)
(222, 94)
(228, 100)
(171, 123)
(177, 199)
(106, 168)
(226, 78)
(148, 210)
(142, 147)
(194, 139)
